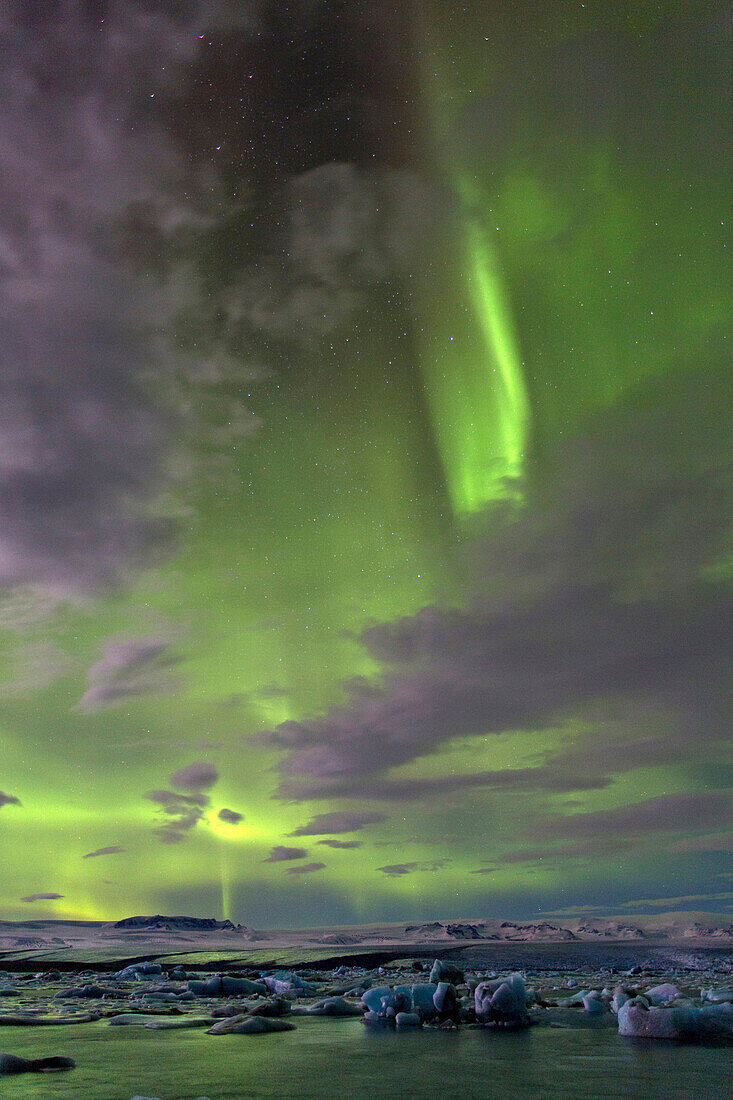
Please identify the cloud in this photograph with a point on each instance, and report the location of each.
(280, 853)
(79, 445)
(9, 800)
(305, 869)
(231, 817)
(339, 821)
(547, 778)
(483, 871)
(42, 897)
(198, 776)
(576, 910)
(711, 842)
(665, 813)
(97, 187)
(111, 851)
(341, 843)
(596, 600)
(37, 665)
(395, 870)
(673, 903)
(184, 810)
(130, 668)
(596, 846)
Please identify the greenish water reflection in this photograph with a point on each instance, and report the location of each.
(326, 1059)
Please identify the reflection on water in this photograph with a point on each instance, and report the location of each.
(329, 1059)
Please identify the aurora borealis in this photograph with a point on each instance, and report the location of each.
(364, 459)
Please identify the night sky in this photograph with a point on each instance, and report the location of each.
(365, 485)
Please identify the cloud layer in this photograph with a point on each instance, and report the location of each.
(593, 599)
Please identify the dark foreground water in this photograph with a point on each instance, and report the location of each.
(326, 1059)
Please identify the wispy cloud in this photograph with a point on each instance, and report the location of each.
(338, 821)
(305, 869)
(341, 844)
(130, 668)
(395, 870)
(184, 811)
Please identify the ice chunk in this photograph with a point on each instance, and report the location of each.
(662, 994)
(715, 1019)
(444, 971)
(637, 1020)
(422, 999)
(576, 999)
(677, 1022)
(503, 1002)
(445, 999)
(407, 1019)
(377, 998)
(141, 971)
(593, 1004)
(717, 996)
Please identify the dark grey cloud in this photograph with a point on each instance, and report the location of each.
(483, 871)
(710, 842)
(113, 850)
(184, 811)
(231, 817)
(280, 853)
(395, 870)
(130, 668)
(339, 821)
(597, 600)
(95, 188)
(9, 800)
(42, 897)
(80, 446)
(341, 844)
(195, 777)
(665, 813)
(547, 778)
(305, 869)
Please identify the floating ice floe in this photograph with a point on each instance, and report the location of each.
(683, 1021)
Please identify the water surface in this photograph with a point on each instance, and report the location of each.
(329, 1059)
